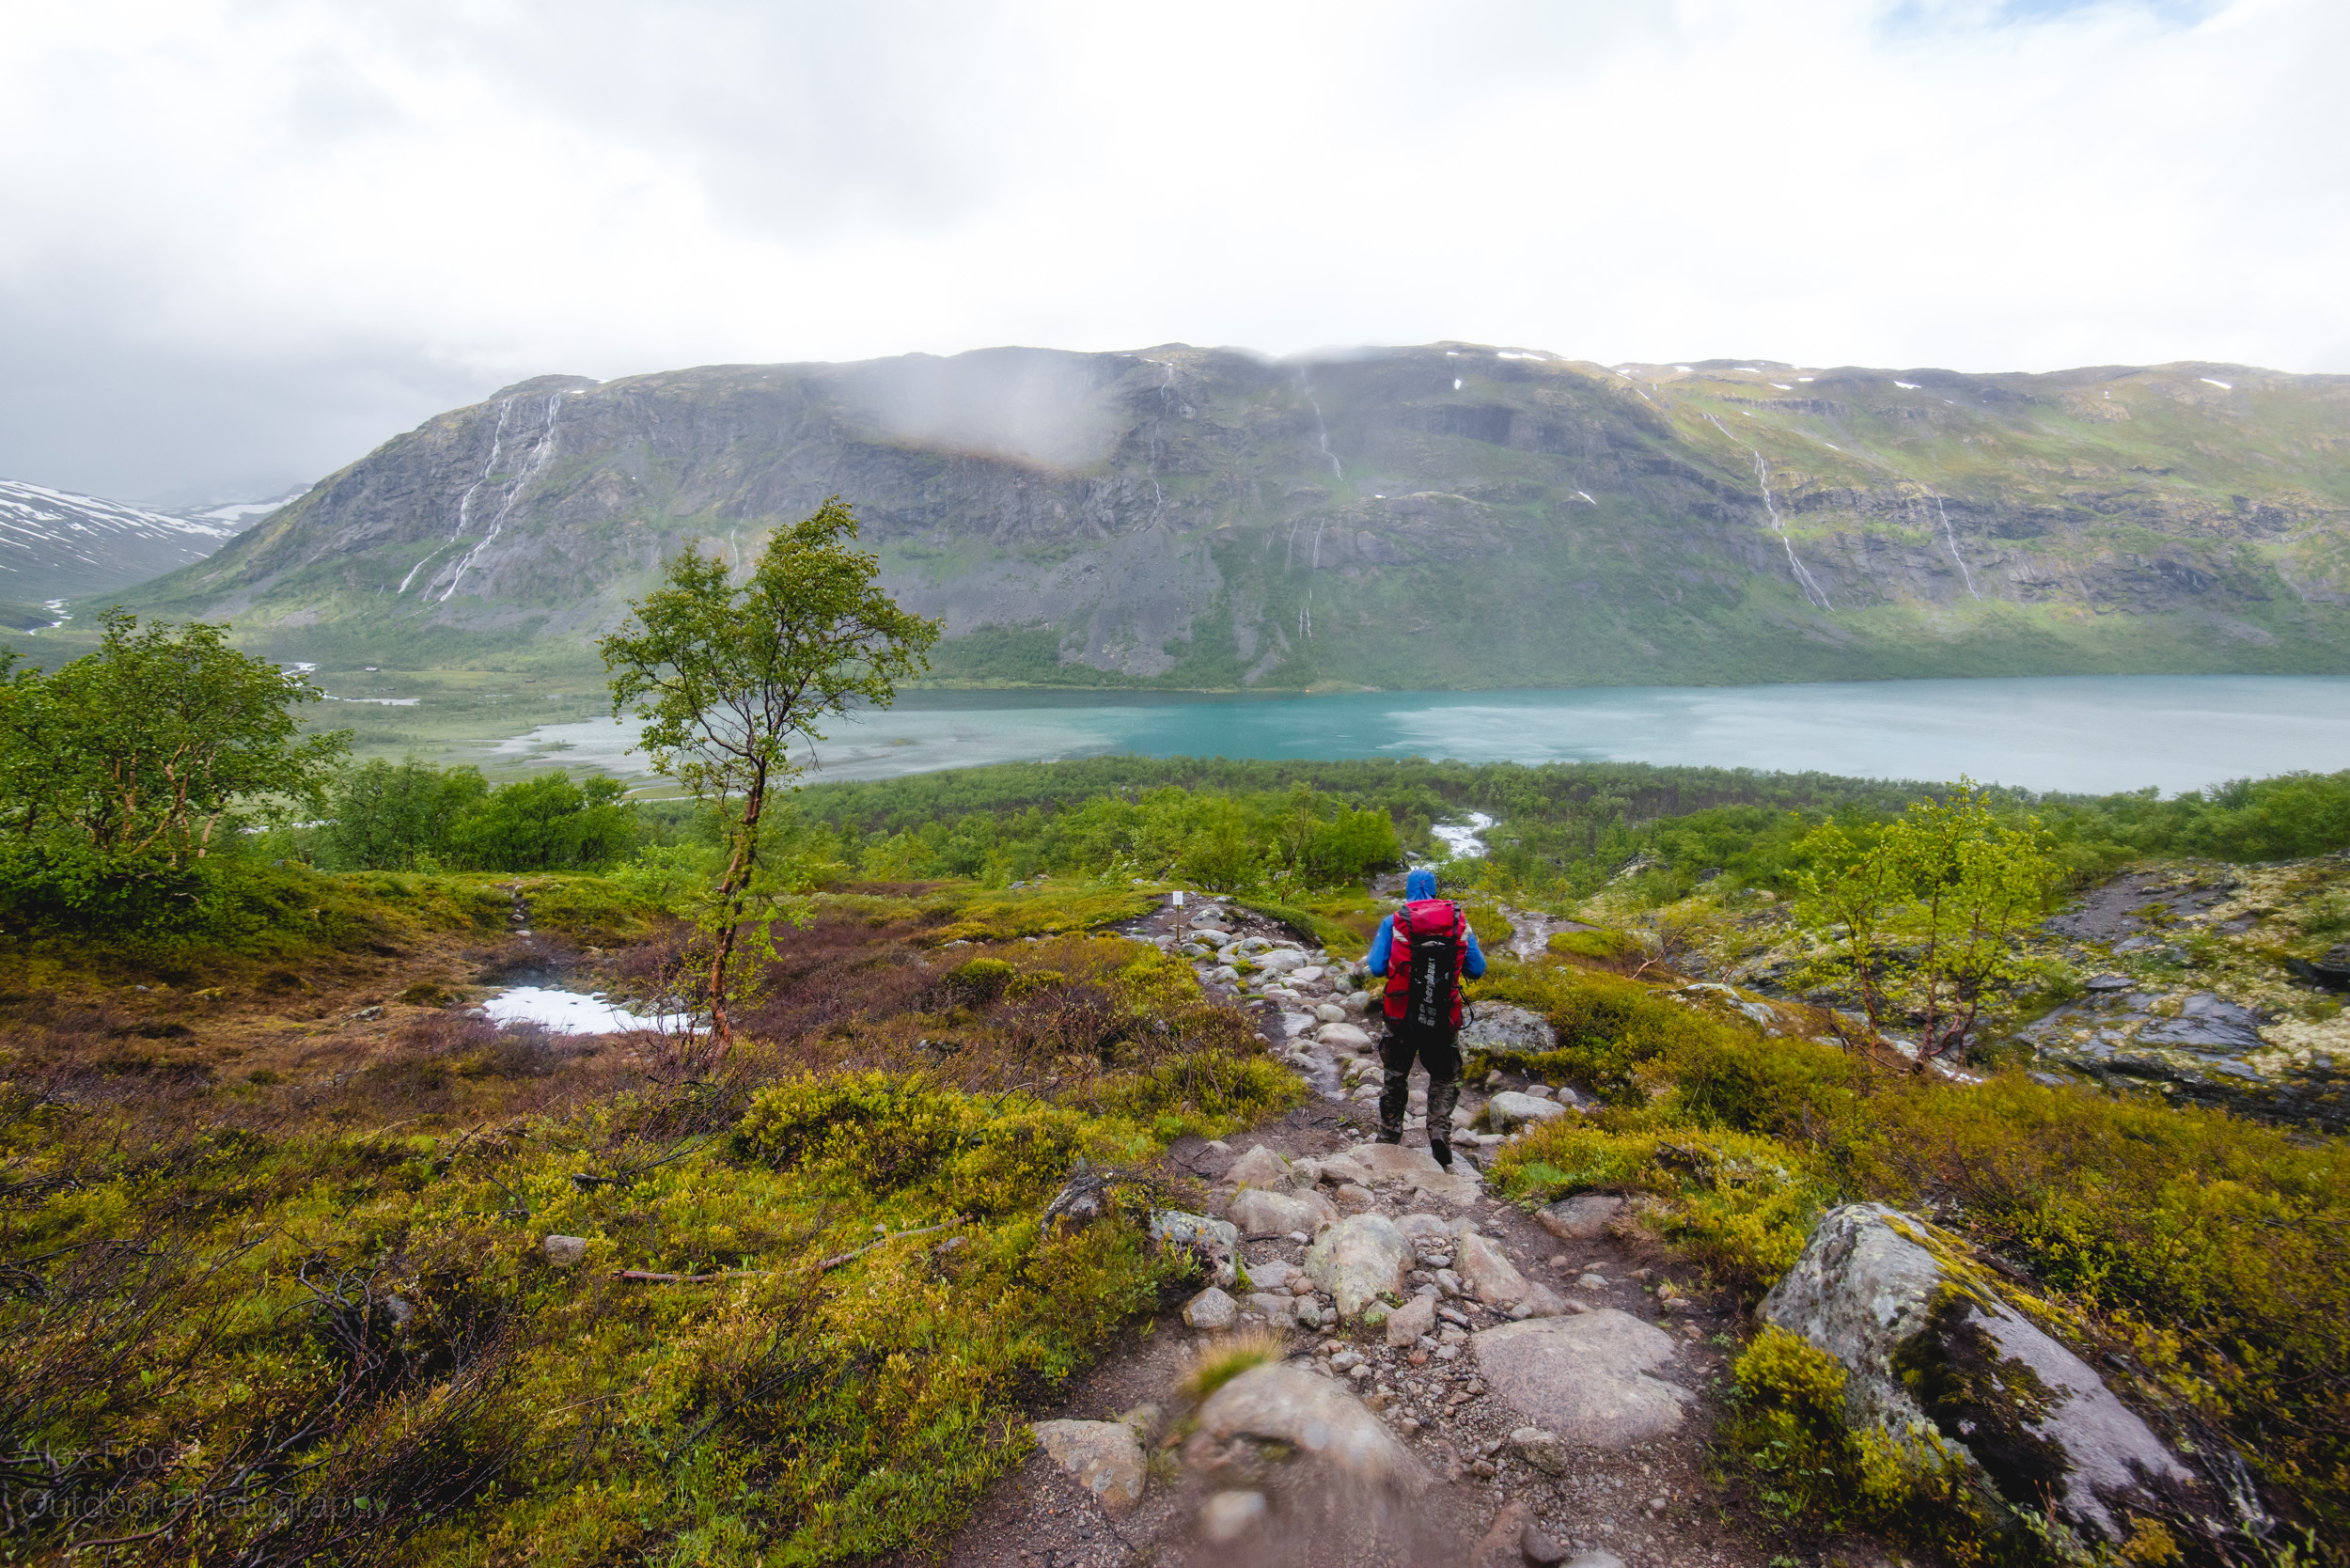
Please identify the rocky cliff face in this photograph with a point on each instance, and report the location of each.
(1446, 515)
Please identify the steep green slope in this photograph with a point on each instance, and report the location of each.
(1442, 516)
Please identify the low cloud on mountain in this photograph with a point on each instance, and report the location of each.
(250, 243)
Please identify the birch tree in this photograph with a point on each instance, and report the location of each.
(725, 677)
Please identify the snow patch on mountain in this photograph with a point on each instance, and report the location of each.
(55, 544)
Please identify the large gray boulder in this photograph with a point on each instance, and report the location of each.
(1282, 1402)
(1360, 1258)
(1259, 1168)
(1277, 1213)
(1589, 1380)
(1483, 1268)
(1934, 1350)
(1500, 1027)
(1581, 1218)
(1508, 1111)
(1417, 1169)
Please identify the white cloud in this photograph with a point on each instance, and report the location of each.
(466, 192)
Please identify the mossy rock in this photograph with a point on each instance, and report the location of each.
(1961, 1376)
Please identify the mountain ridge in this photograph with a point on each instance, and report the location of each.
(1446, 515)
(58, 544)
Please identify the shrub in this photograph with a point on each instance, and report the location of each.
(1738, 1205)
(1219, 1360)
(1815, 1475)
(550, 823)
(1611, 1031)
(976, 981)
(1207, 1093)
(1600, 946)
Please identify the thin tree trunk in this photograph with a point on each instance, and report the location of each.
(739, 869)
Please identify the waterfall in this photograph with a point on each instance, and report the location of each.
(1322, 431)
(464, 502)
(1803, 575)
(541, 456)
(1810, 586)
(1158, 492)
(1951, 538)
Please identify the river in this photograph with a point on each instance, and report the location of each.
(2089, 733)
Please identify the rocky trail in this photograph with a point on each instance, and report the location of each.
(1546, 1394)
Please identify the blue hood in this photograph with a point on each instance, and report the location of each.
(1419, 885)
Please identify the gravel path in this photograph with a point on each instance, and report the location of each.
(1647, 1504)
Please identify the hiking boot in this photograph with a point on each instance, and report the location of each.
(1395, 1093)
(1442, 1152)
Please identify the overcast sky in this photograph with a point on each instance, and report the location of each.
(243, 240)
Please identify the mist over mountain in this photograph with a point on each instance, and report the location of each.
(1447, 515)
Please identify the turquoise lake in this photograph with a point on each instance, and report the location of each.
(2089, 733)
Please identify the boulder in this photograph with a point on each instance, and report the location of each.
(1903, 1306)
(1586, 1379)
(1508, 1111)
(1211, 1310)
(1426, 1227)
(2206, 1022)
(1407, 1323)
(1500, 1027)
(1342, 1036)
(1358, 1259)
(1345, 1170)
(1277, 1213)
(1539, 1301)
(1271, 1275)
(2330, 968)
(1355, 1200)
(1490, 1276)
(1280, 961)
(1272, 1306)
(1259, 1168)
(1214, 1244)
(1418, 1169)
(1282, 1402)
(563, 1252)
(1580, 1219)
(1229, 1515)
(1104, 1456)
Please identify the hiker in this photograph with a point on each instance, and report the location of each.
(1423, 949)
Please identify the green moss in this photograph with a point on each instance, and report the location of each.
(1599, 946)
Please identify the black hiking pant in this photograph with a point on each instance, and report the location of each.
(1439, 1052)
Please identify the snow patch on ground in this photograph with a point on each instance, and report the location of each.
(1906, 386)
(569, 1013)
(2223, 385)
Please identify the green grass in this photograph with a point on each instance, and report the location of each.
(2212, 1248)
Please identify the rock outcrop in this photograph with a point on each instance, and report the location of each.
(1361, 1260)
(1589, 1380)
(1934, 1348)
